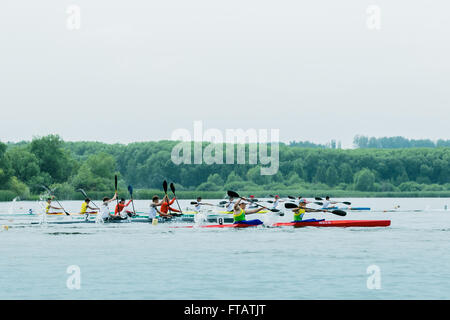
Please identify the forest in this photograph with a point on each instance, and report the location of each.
(304, 168)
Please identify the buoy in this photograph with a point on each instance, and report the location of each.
(154, 221)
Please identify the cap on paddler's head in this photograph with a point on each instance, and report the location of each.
(277, 196)
(252, 196)
(302, 201)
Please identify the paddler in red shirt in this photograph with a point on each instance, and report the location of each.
(165, 206)
(119, 210)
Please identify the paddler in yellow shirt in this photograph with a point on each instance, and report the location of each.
(239, 213)
(300, 211)
(49, 207)
(85, 206)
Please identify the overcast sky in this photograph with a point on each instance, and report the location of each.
(137, 70)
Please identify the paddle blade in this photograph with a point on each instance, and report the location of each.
(318, 198)
(319, 203)
(290, 205)
(130, 190)
(193, 202)
(233, 194)
(291, 197)
(347, 203)
(172, 187)
(269, 201)
(165, 186)
(84, 193)
(274, 210)
(223, 202)
(115, 182)
(339, 212)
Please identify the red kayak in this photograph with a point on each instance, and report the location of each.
(306, 223)
(336, 223)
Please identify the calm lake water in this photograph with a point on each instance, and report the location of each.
(141, 261)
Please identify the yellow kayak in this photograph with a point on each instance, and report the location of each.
(72, 214)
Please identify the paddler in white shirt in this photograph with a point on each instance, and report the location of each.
(326, 203)
(104, 209)
(199, 204)
(49, 207)
(230, 205)
(154, 209)
(276, 202)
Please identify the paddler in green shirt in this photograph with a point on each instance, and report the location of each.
(239, 213)
(300, 211)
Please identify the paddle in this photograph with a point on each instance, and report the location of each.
(167, 197)
(115, 188)
(172, 187)
(236, 195)
(195, 203)
(51, 193)
(271, 201)
(130, 190)
(86, 196)
(344, 202)
(289, 205)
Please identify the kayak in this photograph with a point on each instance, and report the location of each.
(335, 223)
(228, 225)
(306, 223)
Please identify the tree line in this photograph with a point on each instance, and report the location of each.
(365, 142)
(67, 166)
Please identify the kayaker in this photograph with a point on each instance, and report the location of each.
(165, 205)
(120, 209)
(327, 202)
(85, 206)
(300, 211)
(104, 208)
(49, 207)
(276, 201)
(239, 213)
(230, 205)
(154, 209)
(199, 204)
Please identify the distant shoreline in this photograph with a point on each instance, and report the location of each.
(147, 194)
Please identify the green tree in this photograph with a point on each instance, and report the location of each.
(96, 173)
(6, 170)
(364, 180)
(332, 177)
(53, 159)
